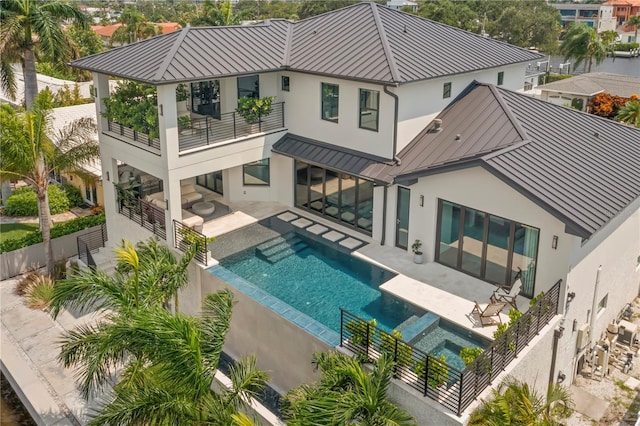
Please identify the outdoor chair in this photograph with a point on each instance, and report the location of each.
(509, 295)
(487, 314)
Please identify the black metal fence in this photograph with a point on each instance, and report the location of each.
(133, 136)
(184, 236)
(208, 130)
(142, 212)
(432, 376)
(90, 242)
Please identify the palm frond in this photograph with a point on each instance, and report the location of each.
(247, 381)
(214, 324)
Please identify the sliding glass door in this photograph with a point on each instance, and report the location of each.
(486, 246)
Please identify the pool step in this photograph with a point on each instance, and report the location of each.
(280, 248)
(420, 326)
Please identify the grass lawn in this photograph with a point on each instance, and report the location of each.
(12, 231)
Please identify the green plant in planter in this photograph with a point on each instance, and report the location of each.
(182, 94)
(184, 122)
(438, 373)
(388, 345)
(254, 109)
(358, 330)
(134, 105)
(468, 355)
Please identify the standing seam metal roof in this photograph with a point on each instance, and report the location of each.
(582, 168)
(365, 41)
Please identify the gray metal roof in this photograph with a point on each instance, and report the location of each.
(581, 168)
(326, 155)
(365, 41)
(596, 82)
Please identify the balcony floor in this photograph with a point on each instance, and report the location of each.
(432, 286)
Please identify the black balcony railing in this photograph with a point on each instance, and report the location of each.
(89, 243)
(184, 236)
(142, 212)
(208, 130)
(434, 378)
(133, 137)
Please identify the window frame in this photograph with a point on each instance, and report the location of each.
(446, 90)
(258, 163)
(283, 86)
(500, 78)
(255, 93)
(324, 104)
(362, 109)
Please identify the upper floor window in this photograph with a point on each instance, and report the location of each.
(256, 173)
(249, 86)
(330, 97)
(500, 78)
(446, 91)
(285, 83)
(369, 106)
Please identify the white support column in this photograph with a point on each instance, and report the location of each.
(174, 205)
(101, 92)
(168, 123)
(109, 177)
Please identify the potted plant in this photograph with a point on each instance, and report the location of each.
(184, 123)
(416, 247)
(182, 94)
(254, 109)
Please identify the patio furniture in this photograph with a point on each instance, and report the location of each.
(192, 221)
(487, 314)
(509, 295)
(204, 208)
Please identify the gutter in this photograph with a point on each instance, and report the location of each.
(395, 123)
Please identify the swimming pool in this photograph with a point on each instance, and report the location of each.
(317, 277)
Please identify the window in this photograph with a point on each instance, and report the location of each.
(249, 86)
(330, 96)
(486, 246)
(256, 173)
(285, 83)
(446, 91)
(500, 78)
(369, 105)
(603, 302)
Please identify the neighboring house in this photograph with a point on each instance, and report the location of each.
(106, 31)
(399, 4)
(577, 91)
(499, 182)
(598, 16)
(623, 9)
(89, 179)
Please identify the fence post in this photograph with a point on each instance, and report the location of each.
(426, 375)
(341, 326)
(282, 113)
(206, 125)
(460, 393)
(367, 340)
(234, 126)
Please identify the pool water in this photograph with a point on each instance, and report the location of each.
(317, 280)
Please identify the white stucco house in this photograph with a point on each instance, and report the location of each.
(380, 134)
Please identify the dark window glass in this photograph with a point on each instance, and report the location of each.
(330, 97)
(249, 86)
(285, 83)
(446, 91)
(256, 173)
(500, 78)
(369, 106)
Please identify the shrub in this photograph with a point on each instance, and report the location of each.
(468, 355)
(26, 282)
(625, 47)
(358, 330)
(23, 201)
(402, 352)
(57, 231)
(40, 292)
(73, 194)
(254, 109)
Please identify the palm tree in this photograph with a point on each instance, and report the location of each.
(582, 43)
(31, 152)
(217, 14)
(634, 21)
(514, 403)
(630, 113)
(134, 27)
(346, 394)
(30, 29)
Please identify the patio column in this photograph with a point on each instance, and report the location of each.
(174, 206)
(168, 123)
(101, 92)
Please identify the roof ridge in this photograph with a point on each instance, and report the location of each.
(287, 44)
(395, 74)
(512, 118)
(167, 59)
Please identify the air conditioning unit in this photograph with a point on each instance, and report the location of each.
(583, 336)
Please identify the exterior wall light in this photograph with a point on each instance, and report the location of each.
(554, 242)
(422, 201)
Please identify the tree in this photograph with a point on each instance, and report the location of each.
(528, 23)
(446, 12)
(630, 114)
(606, 105)
(134, 27)
(31, 153)
(217, 14)
(312, 8)
(346, 394)
(514, 403)
(582, 43)
(30, 29)
(634, 21)
(86, 40)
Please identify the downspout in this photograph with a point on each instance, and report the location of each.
(395, 123)
(557, 334)
(594, 305)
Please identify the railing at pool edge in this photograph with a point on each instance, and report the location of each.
(184, 236)
(450, 387)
